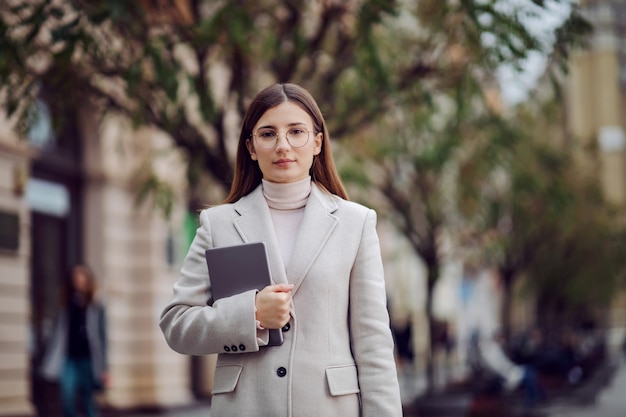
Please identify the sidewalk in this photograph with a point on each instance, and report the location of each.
(610, 401)
(602, 395)
(194, 410)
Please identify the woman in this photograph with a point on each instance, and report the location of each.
(76, 354)
(329, 292)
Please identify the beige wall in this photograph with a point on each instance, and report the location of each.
(596, 97)
(14, 286)
(597, 117)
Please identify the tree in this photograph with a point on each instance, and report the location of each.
(523, 216)
(446, 135)
(582, 266)
(544, 221)
(187, 67)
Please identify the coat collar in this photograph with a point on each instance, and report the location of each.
(255, 224)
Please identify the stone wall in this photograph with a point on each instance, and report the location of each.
(14, 281)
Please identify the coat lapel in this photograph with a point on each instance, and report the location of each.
(317, 225)
(254, 224)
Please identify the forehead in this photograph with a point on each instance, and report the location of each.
(285, 114)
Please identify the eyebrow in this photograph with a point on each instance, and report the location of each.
(289, 125)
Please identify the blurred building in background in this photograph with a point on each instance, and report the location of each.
(596, 102)
(72, 198)
(15, 303)
(596, 113)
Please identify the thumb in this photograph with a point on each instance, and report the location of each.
(282, 287)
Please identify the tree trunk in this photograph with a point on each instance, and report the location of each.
(433, 272)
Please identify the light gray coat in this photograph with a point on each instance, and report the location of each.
(337, 357)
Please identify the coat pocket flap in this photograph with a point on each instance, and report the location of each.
(226, 378)
(342, 380)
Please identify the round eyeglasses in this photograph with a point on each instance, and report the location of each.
(267, 138)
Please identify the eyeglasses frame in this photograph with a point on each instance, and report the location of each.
(254, 135)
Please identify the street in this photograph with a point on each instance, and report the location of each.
(609, 402)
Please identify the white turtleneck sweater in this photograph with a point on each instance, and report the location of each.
(287, 202)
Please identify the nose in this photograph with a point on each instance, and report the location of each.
(281, 140)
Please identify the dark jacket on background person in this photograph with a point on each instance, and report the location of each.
(57, 346)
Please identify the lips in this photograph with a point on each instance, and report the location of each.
(283, 162)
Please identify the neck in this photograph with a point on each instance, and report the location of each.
(287, 196)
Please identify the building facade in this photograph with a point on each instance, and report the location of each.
(14, 280)
(73, 199)
(596, 113)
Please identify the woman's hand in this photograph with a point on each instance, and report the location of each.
(272, 305)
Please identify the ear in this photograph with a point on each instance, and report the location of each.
(318, 144)
(250, 147)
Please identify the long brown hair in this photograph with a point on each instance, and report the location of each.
(248, 175)
(68, 285)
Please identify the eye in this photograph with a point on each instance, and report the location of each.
(297, 131)
(266, 134)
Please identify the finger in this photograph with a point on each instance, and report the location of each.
(282, 287)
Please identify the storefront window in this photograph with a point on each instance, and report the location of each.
(48, 197)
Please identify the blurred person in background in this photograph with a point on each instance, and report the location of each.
(482, 346)
(76, 351)
(328, 297)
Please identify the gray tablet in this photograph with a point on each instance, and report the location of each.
(239, 268)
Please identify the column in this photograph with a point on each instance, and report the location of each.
(14, 280)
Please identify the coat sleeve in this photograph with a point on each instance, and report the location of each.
(192, 326)
(372, 341)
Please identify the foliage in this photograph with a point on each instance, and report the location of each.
(579, 266)
(539, 217)
(441, 154)
(189, 68)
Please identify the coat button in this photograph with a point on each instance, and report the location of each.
(281, 372)
(242, 347)
(286, 327)
(233, 348)
(226, 349)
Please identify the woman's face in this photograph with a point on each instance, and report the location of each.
(284, 163)
(80, 281)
